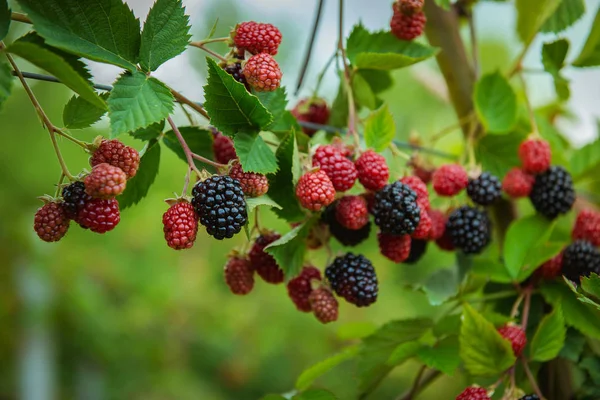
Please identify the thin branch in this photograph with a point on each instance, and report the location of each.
(214, 40)
(415, 386)
(474, 46)
(532, 120)
(186, 149)
(209, 51)
(47, 78)
(462, 121)
(526, 308)
(20, 17)
(323, 72)
(531, 379)
(207, 161)
(427, 380)
(311, 43)
(347, 78)
(195, 106)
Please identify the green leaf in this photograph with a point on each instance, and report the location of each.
(522, 237)
(581, 316)
(290, 249)
(101, 30)
(306, 378)
(153, 131)
(275, 102)
(5, 18)
(80, 113)
(554, 54)
(315, 394)
(339, 108)
(537, 256)
(378, 80)
(355, 330)
(66, 68)
(440, 286)
(448, 325)
(282, 185)
(574, 344)
(166, 33)
(495, 103)
(273, 397)
(199, 141)
(363, 94)
(444, 356)
(254, 154)
(380, 129)
(264, 200)
(403, 352)
(137, 101)
(586, 159)
(531, 15)
(591, 285)
(549, 337)
(590, 53)
(383, 51)
(499, 153)
(482, 349)
(6, 82)
(138, 186)
(231, 108)
(567, 13)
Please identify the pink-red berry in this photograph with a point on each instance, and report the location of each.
(450, 180)
(257, 38)
(438, 224)
(51, 222)
(239, 275)
(300, 287)
(407, 26)
(115, 153)
(420, 188)
(373, 172)
(99, 215)
(313, 110)
(395, 248)
(535, 155)
(262, 73)
(516, 336)
(253, 184)
(473, 393)
(552, 268)
(517, 183)
(315, 190)
(352, 212)
(180, 225)
(587, 227)
(423, 230)
(105, 181)
(223, 148)
(410, 6)
(338, 167)
(445, 241)
(324, 305)
(262, 262)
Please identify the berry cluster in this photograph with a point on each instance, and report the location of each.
(408, 19)
(312, 110)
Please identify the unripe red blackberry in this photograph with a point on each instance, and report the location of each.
(410, 6)
(180, 225)
(517, 183)
(257, 38)
(315, 190)
(324, 305)
(223, 148)
(587, 227)
(253, 184)
(300, 287)
(551, 268)
(351, 212)
(449, 180)
(473, 393)
(373, 172)
(51, 222)
(262, 262)
(115, 153)
(516, 336)
(262, 73)
(353, 278)
(340, 170)
(394, 248)
(407, 26)
(239, 275)
(420, 189)
(535, 155)
(396, 210)
(99, 215)
(313, 110)
(438, 224)
(105, 181)
(423, 230)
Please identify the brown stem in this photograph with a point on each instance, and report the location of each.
(201, 46)
(531, 379)
(186, 149)
(427, 380)
(526, 308)
(20, 17)
(474, 47)
(207, 161)
(415, 387)
(195, 106)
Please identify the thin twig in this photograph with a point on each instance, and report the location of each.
(195, 106)
(526, 308)
(531, 378)
(47, 78)
(214, 40)
(186, 149)
(462, 121)
(323, 72)
(532, 120)
(474, 48)
(427, 380)
(209, 51)
(517, 66)
(207, 161)
(415, 385)
(347, 78)
(20, 17)
(311, 43)
(515, 308)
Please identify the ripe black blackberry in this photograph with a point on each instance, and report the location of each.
(74, 197)
(580, 258)
(396, 210)
(220, 204)
(235, 70)
(485, 189)
(353, 278)
(530, 397)
(553, 193)
(469, 229)
(417, 250)
(347, 237)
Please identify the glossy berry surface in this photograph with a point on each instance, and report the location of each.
(373, 172)
(395, 209)
(117, 154)
(99, 215)
(262, 73)
(417, 251)
(553, 192)
(51, 222)
(345, 236)
(516, 336)
(313, 110)
(300, 287)
(257, 38)
(239, 275)
(180, 225)
(485, 189)
(407, 26)
(580, 258)
(74, 197)
(473, 393)
(449, 180)
(253, 184)
(105, 181)
(324, 305)
(420, 189)
(223, 148)
(351, 212)
(535, 155)
(340, 170)
(315, 190)
(353, 278)
(469, 229)
(394, 248)
(587, 227)
(262, 262)
(517, 183)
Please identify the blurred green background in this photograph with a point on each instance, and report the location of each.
(122, 316)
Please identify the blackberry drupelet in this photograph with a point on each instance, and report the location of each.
(220, 204)
(469, 229)
(580, 258)
(353, 278)
(553, 193)
(485, 189)
(74, 197)
(235, 70)
(345, 236)
(530, 397)
(396, 210)
(417, 250)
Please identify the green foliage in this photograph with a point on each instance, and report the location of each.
(6, 82)
(137, 101)
(482, 349)
(363, 94)
(443, 356)
(290, 249)
(531, 15)
(315, 394)
(383, 51)
(231, 108)
(152, 132)
(198, 140)
(499, 153)
(585, 160)
(80, 113)
(254, 154)
(549, 337)
(282, 185)
(264, 200)
(380, 129)
(355, 330)
(306, 379)
(67, 68)
(276, 102)
(137, 187)
(496, 103)
(566, 14)
(165, 34)
(102, 30)
(553, 59)
(590, 53)
(440, 286)
(5, 14)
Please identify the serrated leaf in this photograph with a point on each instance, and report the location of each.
(165, 34)
(591, 285)
(383, 51)
(448, 325)
(231, 108)
(264, 200)
(363, 94)
(137, 101)
(80, 113)
(315, 394)
(403, 352)
(5, 18)
(138, 186)
(290, 249)
(586, 159)
(567, 13)
(355, 330)
(554, 54)
(254, 154)
(523, 236)
(380, 129)
(590, 53)
(68, 69)
(549, 337)
(444, 356)
(151, 132)
(495, 103)
(101, 30)
(6, 82)
(499, 153)
(531, 15)
(275, 102)
(199, 141)
(441, 286)
(308, 376)
(482, 349)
